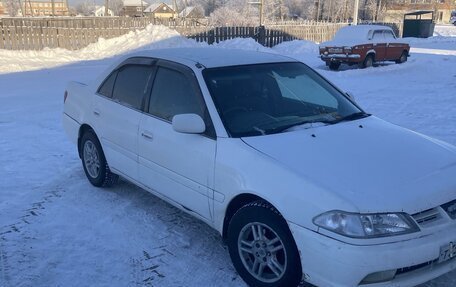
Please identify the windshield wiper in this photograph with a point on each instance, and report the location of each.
(351, 117)
(286, 127)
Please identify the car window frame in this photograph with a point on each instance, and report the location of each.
(133, 61)
(380, 32)
(189, 74)
(386, 31)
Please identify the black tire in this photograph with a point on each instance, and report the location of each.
(334, 66)
(274, 226)
(368, 62)
(101, 176)
(403, 58)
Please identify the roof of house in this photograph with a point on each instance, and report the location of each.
(187, 10)
(154, 6)
(135, 3)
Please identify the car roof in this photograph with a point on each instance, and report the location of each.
(211, 57)
(365, 28)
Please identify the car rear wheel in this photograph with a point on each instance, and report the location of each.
(262, 248)
(403, 58)
(94, 162)
(368, 62)
(334, 66)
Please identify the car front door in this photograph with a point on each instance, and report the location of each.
(379, 45)
(178, 166)
(117, 113)
(393, 49)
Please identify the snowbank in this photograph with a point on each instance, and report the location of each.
(445, 30)
(150, 37)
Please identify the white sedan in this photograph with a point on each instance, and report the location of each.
(297, 178)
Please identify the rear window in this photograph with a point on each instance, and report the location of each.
(132, 84)
(106, 88)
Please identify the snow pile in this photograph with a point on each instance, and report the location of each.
(242, 43)
(303, 50)
(150, 37)
(445, 30)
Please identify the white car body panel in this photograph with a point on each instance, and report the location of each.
(161, 164)
(117, 128)
(302, 173)
(393, 167)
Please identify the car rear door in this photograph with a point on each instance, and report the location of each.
(379, 45)
(178, 166)
(117, 113)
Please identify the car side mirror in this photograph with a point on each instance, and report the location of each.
(188, 124)
(350, 96)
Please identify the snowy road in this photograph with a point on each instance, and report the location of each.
(58, 230)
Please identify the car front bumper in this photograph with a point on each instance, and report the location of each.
(341, 57)
(329, 262)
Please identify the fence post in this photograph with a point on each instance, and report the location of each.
(211, 37)
(261, 36)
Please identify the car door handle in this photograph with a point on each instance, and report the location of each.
(147, 135)
(96, 113)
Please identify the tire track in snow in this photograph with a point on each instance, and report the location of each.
(15, 234)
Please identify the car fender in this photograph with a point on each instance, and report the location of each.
(297, 198)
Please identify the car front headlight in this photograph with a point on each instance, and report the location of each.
(371, 225)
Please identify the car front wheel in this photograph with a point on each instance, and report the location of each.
(262, 248)
(334, 66)
(368, 62)
(94, 162)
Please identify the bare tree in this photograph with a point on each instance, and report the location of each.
(12, 7)
(235, 13)
(85, 8)
(116, 6)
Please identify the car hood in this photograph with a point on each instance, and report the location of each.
(374, 165)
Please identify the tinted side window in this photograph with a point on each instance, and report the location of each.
(173, 94)
(378, 36)
(106, 88)
(132, 84)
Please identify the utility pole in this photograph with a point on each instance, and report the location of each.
(67, 8)
(261, 12)
(329, 17)
(106, 13)
(355, 13)
(30, 5)
(53, 8)
(260, 9)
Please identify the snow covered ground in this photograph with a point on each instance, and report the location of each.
(58, 230)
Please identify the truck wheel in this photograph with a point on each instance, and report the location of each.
(403, 58)
(368, 62)
(262, 248)
(94, 162)
(334, 66)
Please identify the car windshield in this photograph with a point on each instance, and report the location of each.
(264, 99)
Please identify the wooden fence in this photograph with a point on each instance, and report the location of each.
(269, 36)
(76, 33)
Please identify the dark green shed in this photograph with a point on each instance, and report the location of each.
(419, 24)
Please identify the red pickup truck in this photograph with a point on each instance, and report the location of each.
(363, 45)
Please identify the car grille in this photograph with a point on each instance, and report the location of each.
(427, 217)
(335, 50)
(435, 215)
(450, 209)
